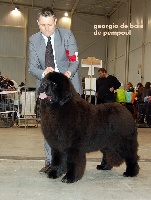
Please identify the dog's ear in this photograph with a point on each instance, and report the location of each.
(65, 99)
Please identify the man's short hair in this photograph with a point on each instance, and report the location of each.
(102, 70)
(46, 12)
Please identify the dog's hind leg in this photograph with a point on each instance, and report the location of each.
(131, 158)
(132, 167)
(104, 165)
(76, 163)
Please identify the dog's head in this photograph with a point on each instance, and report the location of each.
(55, 88)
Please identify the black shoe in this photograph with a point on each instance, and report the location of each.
(45, 169)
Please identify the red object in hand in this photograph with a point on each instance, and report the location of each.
(71, 58)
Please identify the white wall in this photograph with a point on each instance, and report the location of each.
(129, 56)
(12, 43)
(89, 44)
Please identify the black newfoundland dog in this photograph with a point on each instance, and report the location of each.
(73, 127)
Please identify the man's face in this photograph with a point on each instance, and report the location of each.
(101, 74)
(47, 25)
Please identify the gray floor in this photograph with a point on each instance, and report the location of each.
(22, 155)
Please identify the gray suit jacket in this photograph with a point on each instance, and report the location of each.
(63, 40)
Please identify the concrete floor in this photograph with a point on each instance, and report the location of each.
(22, 156)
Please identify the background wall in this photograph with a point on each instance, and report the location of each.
(125, 56)
(13, 41)
(129, 55)
(89, 45)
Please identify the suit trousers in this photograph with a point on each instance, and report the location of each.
(47, 152)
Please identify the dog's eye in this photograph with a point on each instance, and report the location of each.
(44, 85)
(54, 84)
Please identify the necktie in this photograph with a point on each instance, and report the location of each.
(49, 57)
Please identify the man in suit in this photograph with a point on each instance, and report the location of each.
(65, 54)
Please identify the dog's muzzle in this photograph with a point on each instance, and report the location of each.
(44, 96)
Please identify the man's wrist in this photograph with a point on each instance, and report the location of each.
(69, 73)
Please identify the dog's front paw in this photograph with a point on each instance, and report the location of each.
(67, 179)
(52, 174)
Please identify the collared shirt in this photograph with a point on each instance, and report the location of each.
(52, 43)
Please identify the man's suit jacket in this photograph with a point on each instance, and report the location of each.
(64, 41)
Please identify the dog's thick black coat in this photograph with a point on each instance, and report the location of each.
(73, 127)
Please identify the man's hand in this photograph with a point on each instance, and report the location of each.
(111, 89)
(68, 74)
(47, 70)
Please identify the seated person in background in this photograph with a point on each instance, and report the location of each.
(105, 86)
(148, 97)
(129, 87)
(141, 105)
(139, 92)
(130, 97)
(146, 90)
(6, 83)
(1, 81)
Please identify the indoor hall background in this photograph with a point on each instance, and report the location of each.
(127, 57)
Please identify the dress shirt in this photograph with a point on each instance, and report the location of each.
(52, 43)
